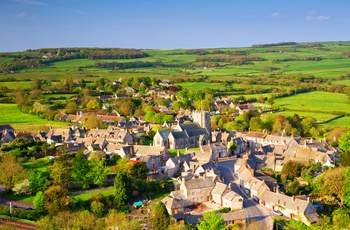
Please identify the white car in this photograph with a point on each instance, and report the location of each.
(276, 212)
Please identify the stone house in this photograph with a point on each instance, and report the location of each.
(292, 207)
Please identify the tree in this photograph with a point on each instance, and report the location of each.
(92, 122)
(336, 133)
(256, 124)
(37, 180)
(93, 105)
(344, 158)
(161, 218)
(62, 169)
(293, 187)
(291, 169)
(81, 169)
(122, 188)
(97, 208)
(11, 171)
(98, 173)
(344, 142)
(139, 169)
(39, 201)
(211, 221)
(71, 107)
(57, 199)
(22, 188)
(333, 182)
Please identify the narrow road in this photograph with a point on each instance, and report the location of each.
(257, 216)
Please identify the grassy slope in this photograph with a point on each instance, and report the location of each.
(316, 101)
(10, 114)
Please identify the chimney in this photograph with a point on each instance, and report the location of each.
(293, 198)
(178, 153)
(308, 199)
(252, 172)
(277, 189)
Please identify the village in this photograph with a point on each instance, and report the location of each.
(217, 169)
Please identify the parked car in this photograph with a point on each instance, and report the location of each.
(276, 212)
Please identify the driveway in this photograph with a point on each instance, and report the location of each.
(258, 217)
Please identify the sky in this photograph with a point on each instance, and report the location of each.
(169, 24)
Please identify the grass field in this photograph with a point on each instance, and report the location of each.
(84, 196)
(17, 84)
(319, 102)
(24, 198)
(342, 82)
(10, 114)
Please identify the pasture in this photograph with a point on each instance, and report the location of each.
(10, 114)
(319, 102)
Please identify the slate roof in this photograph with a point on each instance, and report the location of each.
(164, 133)
(239, 215)
(219, 188)
(287, 201)
(231, 195)
(179, 134)
(6, 127)
(200, 182)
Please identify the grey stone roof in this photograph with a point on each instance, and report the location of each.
(164, 133)
(179, 134)
(219, 188)
(200, 182)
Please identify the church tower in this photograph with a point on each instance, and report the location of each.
(203, 119)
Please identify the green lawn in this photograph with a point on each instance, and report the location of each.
(17, 84)
(323, 102)
(173, 152)
(10, 114)
(87, 195)
(342, 82)
(39, 165)
(24, 198)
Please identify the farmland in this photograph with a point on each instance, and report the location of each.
(303, 78)
(10, 114)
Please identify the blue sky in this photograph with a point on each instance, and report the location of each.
(165, 24)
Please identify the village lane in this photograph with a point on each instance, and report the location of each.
(257, 216)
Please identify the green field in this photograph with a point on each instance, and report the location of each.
(342, 82)
(17, 84)
(319, 102)
(87, 195)
(10, 114)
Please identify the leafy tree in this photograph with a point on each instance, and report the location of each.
(256, 124)
(57, 199)
(122, 188)
(347, 188)
(344, 142)
(92, 122)
(293, 187)
(37, 181)
(344, 158)
(333, 182)
(291, 169)
(62, 169)
(98, 173)
(22, 188)
(39, 201)
(161, 218)
(71, 107)
(138, 169)
(336, 133)
(11, 171)
(341, 218)
(81, 169)
(211, 221)
(97, 208)
(93, 105)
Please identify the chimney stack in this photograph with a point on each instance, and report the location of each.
(293, 198)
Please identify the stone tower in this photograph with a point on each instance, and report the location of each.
(203, 119)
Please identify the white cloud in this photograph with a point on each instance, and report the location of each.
(275, 15)
(78, 11)
(22, 15)
(312, 15)
(31, 2)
